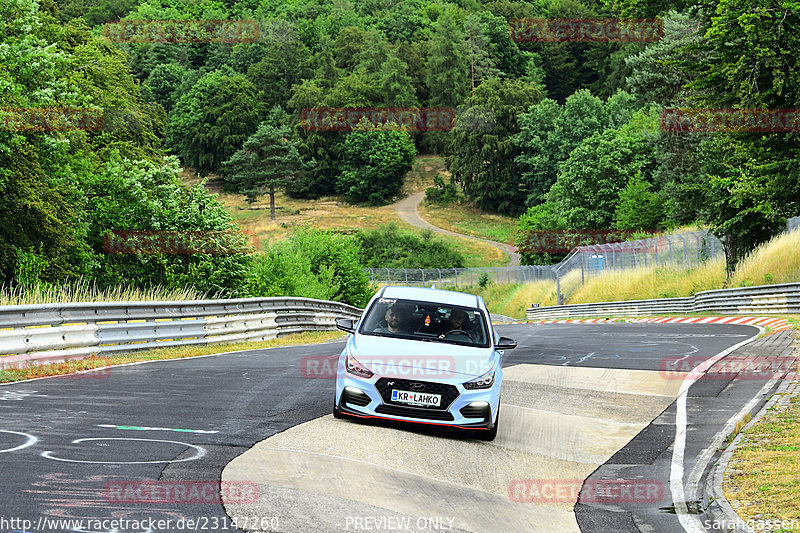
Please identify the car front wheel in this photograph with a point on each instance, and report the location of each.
(490, 434)
(336, 413)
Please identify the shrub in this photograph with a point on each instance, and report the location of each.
(443, 193)
(312, 264)
(374, 165)
(390, 247)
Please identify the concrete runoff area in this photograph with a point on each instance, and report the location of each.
(557, 424)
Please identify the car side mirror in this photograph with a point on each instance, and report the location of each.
(504, 343)
(346, 324)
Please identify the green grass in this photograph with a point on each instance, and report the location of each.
(763, 472)
(469, 220)
(333, 213)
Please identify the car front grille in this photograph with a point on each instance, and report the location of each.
(414, 412)
(448, 392)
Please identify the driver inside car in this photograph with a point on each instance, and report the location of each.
(459, 320)
(396, 320)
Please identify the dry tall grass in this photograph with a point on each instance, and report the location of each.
(777, 261)
(651, 282)
(84, 291)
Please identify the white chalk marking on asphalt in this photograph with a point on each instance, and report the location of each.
(30, 442)
(201, 452)
(18, 395)
(690, 523)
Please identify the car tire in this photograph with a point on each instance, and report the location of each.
(490, 434)
(336, 413)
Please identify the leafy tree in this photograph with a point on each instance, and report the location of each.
(546, 216)
(211, 121)
(538, 144)
(268, 160)
(589, 182)
(503, 52)
(749, 59)
(483, 151)
(357, 89)
(326, 71)
(348, 45)
(163, 83)
(374, 163)
(404, 23)
(143, 196)
(548, 134)
(95, 12)
(639, 207)
(38, 216)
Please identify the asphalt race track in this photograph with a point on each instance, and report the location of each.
(582, 403)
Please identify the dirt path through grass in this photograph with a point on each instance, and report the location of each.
(407, 210)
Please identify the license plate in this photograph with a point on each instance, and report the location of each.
(416, 398)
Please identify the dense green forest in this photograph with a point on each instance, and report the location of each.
(570, 134)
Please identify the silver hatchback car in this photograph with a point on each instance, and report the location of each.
(425, 356)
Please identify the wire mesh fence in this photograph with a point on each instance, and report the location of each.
(459, 277)
(683, 250)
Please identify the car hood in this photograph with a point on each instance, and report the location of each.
(420, 360)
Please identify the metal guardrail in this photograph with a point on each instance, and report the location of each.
(46, 333)
(783, 298)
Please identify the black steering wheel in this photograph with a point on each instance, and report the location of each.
(443, 335)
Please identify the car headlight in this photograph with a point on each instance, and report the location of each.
(354, 367)
(483, 382)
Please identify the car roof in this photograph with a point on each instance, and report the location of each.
(430, 295)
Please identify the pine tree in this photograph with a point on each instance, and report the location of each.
(267, 160)
(446, 74)
(396, 85)
(481, 66)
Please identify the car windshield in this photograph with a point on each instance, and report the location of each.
(429, 321)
